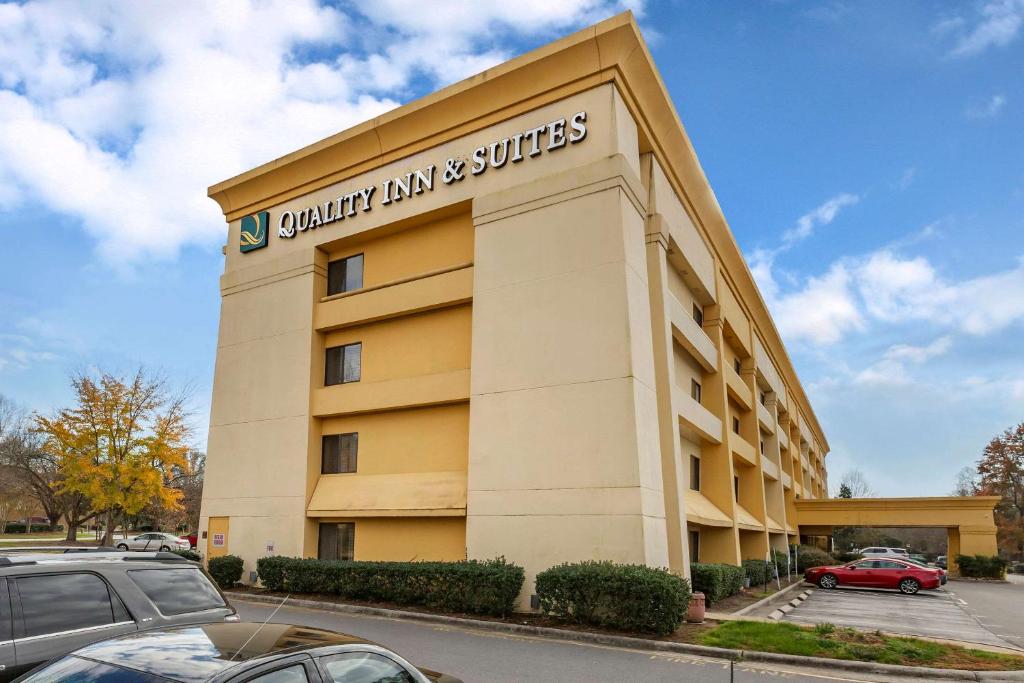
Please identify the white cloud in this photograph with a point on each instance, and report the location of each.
(989, 109)
(998, 26)
(891, 368)
(121, 114)
(822, 215)
(906, 178)
(822, 311)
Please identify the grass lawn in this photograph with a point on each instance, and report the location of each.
(826, 640)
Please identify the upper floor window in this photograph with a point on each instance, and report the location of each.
(344, 364)
(763, 397)
(695, 390)
(695, 473)
(736, 487)
(338, 453)
(736, 365)
(698, 314)
(736, 425)
(762, 446)
(345, 275)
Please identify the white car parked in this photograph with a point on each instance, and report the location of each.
(877, 551)
(154, 541)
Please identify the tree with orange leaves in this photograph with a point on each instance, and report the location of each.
(119, 443)
(1001, 473)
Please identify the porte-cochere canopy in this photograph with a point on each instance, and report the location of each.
(970, 520)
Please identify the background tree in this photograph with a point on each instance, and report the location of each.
(1001, 473)
(119, 444)
(37, 472)
(856, 484)
(966, 482)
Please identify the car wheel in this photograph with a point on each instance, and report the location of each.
(122, 546)
(828, 581)
(909, 586)
(165, 549)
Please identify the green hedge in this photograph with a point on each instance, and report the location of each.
(716, 581)
(626, 597)
(226, 570)
(811, 556)
(19, 528)
(488, 587)
(758, 571)
(981, 566)
(843, 558)
(191, 555)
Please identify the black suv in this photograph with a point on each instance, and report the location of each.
(54, 602)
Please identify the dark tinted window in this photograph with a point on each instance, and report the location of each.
(695, 390)
(63, 602)
(345, 275)
(344, 364)
(289, 674)
(698, 314)
(339, 453)
(177, 591)
(5, 612)
(85, 671)
(364, 667)
(337, 541)
(695, 473)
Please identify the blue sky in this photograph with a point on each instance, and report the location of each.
(868, 156)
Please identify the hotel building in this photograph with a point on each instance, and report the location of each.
(506, 319)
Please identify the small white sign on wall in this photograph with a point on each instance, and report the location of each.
(270, 546)
(218, 540)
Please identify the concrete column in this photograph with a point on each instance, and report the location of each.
(564, 452)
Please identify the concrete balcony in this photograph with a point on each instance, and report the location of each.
(405, 392)
(697, 418)
(783, 435)
(804, 464)
(787, 481)
(691, 336)
(765, 418)
(770, 469)
(739, 446)
(424, 292)
(738, 389)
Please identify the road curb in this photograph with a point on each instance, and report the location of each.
(767, 601)
(791, 605)
(643, 643)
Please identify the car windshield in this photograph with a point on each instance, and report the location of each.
(84, 670)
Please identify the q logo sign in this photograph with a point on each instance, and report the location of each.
(254, 232)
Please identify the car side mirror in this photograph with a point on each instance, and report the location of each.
(852, 566)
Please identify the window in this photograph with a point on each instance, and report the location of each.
(695, 473)
(762, 446)
(344, 364)
(177, 591)
(736, 487)
(338, 453)
(763, 397)
(694, 537)
(698, 314)
(345, 275)
(296, 673)
(736, 425)
(65, 602)
(364, 667)
(695, 390)
(337, 541)
(736, 365)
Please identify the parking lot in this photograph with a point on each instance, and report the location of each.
(933, 613)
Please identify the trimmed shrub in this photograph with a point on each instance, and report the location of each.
(192, 555)
(758, 571)
(716, 581)
(226, 570)
(843, 558)
(625, 597)
(471, 586)
(810, 556)
(14, 528)
(1018, 568)
(981, 566)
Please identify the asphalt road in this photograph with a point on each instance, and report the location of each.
(932, 613)
(491, 657)
(998, 606)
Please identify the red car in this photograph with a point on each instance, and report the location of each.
(872, 573)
